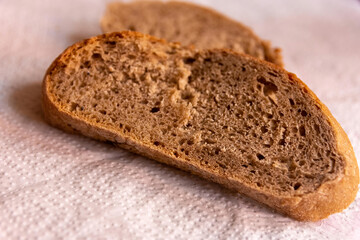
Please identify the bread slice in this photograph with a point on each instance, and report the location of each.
(230, 118)
(188, 24)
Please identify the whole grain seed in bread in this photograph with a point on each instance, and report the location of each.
(227, 117)
(189, 24)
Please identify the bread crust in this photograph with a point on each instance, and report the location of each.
(331, 197)
(271, 54)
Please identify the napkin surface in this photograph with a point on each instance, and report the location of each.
(55, 185)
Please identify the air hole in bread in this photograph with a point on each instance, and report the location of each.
(95, 56)
(182, 141)
(273, 74)
(260, 156)
(223, 166)
(73, 106)
(127, 129)
(297, 186)
(189, 60)
(269, 87)
(304, 113)
(187, 95)
(155, 109)
(317, 128)
(292, 103)
(302, 131)
(111, 43)
(87, 64)
(115, 90)
(188, 125)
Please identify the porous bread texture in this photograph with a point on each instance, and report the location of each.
(227, 117)
(188, 24)
(243, 121)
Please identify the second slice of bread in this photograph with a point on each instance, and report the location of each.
(188, 24)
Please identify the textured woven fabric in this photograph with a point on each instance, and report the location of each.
(55, 185)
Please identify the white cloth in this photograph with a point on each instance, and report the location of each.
(55, 185)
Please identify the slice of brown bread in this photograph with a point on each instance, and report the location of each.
(188, 24)
(227, 117)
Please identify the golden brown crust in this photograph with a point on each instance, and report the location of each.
(330, 197)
